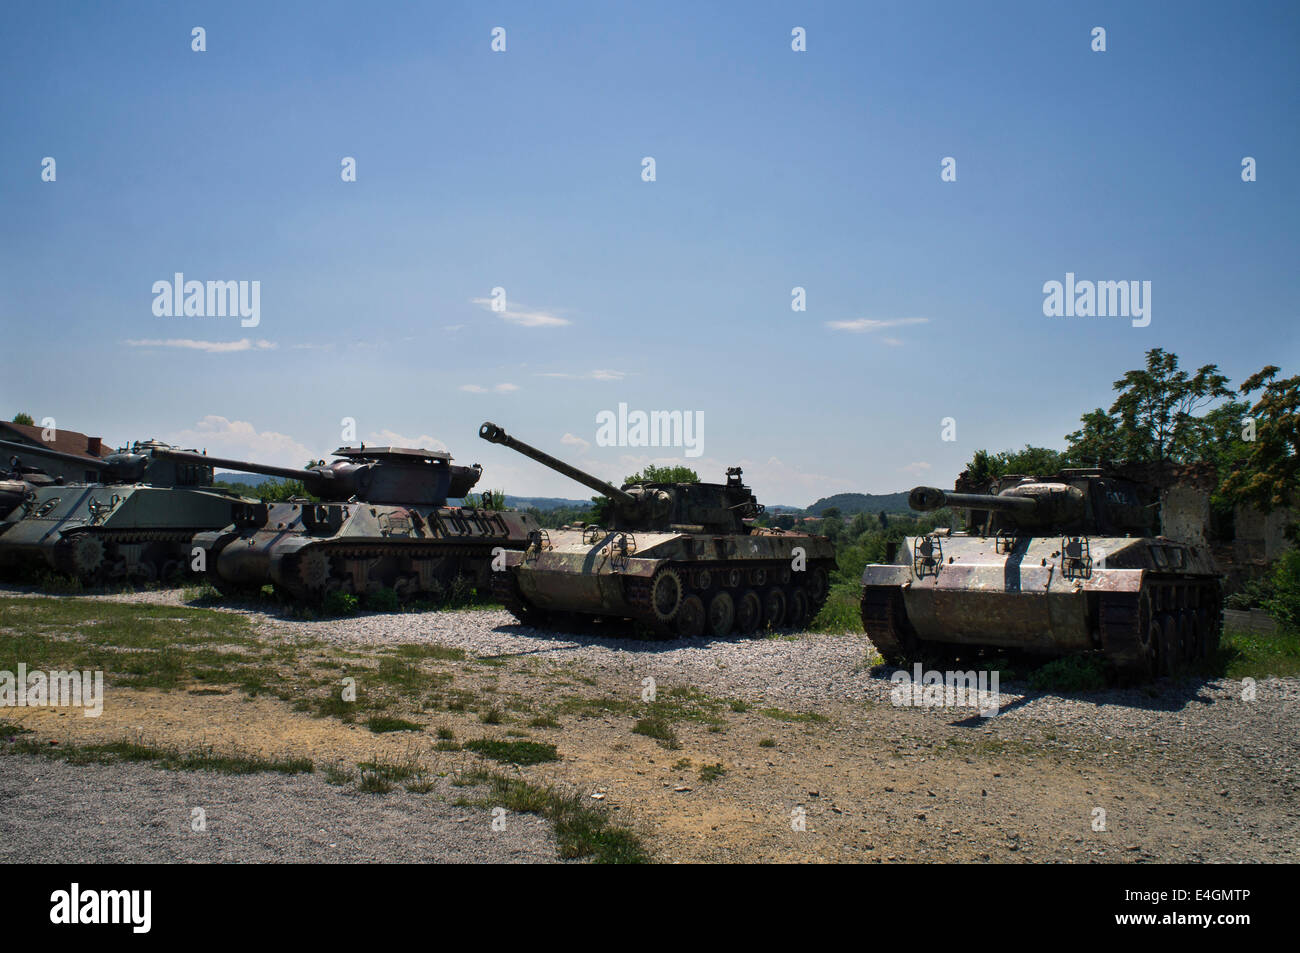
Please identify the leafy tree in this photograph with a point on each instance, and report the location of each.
(24, 418)
(1266, 473)
(1154, 417)
(985, 466)
(600, 505)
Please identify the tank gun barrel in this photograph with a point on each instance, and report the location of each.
(243, 466)
(92, 462)
(494, 434)
(925, 498)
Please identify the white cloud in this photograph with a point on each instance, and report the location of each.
(572, 440)
(862, 325)
(222, 437)
(527, 319)
(211, 347)
(917, 469)
(390, 438)
(598, 375)
(503, 388)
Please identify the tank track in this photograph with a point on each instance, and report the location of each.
(352, 567)
(1168, 625)
(885, 622)
(703, 582)
(166, 554)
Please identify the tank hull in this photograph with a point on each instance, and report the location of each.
(100, 532)
(1146, 604)
(676, 583)
(308, 550)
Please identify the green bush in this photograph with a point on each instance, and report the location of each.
(340, 603)
(1284, 604)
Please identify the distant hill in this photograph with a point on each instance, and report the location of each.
(543, 503)
(247, 479)
(851, 503)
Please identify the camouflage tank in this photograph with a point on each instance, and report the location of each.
(382, 523)
(1058, 566)
(136, 523)
(678, 557)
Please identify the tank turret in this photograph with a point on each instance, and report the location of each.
(380, 475)
(141, 463)
(1072, 501)
(692, 507)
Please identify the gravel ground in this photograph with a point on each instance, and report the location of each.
(53, 812)
(1189, 770)
(813, 670)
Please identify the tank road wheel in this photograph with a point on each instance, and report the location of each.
(749, 612)
(774, 605)
(314, 570)
(722, 614)
(689, 623)
(819, 586)
(1169, 654)
(666, 594)
(87, 553)
(800, 608)
(1187, 638)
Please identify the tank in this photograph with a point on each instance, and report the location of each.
(382, 521)
(1056, 566)
(135, 524)
(682, 559)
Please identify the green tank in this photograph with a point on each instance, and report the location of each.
(136, 524)
(681, 558)
(1065, 565)
(382, 522)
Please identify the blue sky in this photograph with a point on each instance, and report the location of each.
(522, 170)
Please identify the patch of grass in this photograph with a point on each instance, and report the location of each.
(712, 772)
(373, 782)
(204, 758)
(739, 705)
(513, 752)
(659, 729)
(767, 743)
(337, 774)
(1256, 655)
(782, 714)
(842, 611)
(445, 733)
(380, 724)
(1075, 673)
(491, 717)
(340, 604)
(543, 721)
(432, 651)
(581, 830)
